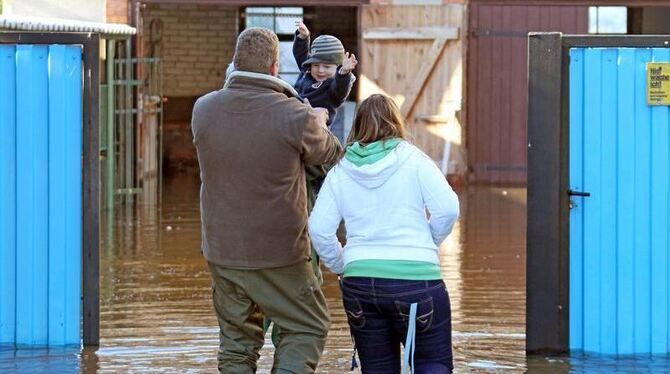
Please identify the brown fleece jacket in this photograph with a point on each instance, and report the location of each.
(254, 140)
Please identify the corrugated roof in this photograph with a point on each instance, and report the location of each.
(9, 22)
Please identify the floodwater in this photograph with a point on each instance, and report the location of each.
(156, 311)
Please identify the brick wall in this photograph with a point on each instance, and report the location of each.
(117, 11)
(196, 43)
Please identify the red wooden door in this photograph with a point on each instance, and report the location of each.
(497, 93)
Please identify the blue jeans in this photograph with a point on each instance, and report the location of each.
(377, 310)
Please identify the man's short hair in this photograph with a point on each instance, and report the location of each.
(257, 50)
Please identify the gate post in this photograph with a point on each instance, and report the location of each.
(547, 249)
(91, 193)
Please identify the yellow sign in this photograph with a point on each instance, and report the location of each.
(658, 83)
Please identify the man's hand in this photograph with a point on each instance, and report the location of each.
(348, 64)
(321, 112)
(303, 31)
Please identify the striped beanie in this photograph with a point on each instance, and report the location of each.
(325, 49)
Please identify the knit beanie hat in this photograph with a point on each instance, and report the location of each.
(325, 49)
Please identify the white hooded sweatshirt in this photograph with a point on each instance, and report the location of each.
(384, 209)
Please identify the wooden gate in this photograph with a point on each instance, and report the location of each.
(497, 99)
(414, 54)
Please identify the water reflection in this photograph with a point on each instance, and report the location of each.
(59, 360)
(156, 313)
(491, 278)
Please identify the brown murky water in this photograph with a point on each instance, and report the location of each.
(156, 312)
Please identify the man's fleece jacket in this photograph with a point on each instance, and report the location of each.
(254, 140)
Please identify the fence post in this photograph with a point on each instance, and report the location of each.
(547, 253)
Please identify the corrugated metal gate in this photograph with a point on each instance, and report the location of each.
(598, 242)
(48, 194)
(619, 247)
(496, 130)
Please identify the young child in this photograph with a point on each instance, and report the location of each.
(325, 80)
(325, 70)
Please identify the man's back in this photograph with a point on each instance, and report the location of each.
(253, 142)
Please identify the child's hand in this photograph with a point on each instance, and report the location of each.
(303, 31)
(348, 64)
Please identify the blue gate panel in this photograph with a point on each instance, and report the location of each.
(576, 183)
(608, 208)
(7, 194)
(641, 249)
(625, 185)
(40, 194)
(659, 221)
(619, 242)
(592, 166)
(65, 118)
(32, 218)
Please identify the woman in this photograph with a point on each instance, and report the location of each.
(391, 283)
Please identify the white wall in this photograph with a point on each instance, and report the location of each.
(82, 10)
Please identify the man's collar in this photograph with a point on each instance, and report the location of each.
(279, 84)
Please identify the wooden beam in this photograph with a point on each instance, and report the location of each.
(630, 3)
(433, 120)
(410, 33)
(547, 263)
(416, 2)
(261, 2)
(422, 76)
(91, 192)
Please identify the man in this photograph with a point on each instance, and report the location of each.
(254, 139)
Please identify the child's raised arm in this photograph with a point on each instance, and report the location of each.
(300, 43)
(344, 79)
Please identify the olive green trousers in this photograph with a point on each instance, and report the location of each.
(290, 296)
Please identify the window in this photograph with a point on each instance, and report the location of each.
(281, 20)
(608, 20)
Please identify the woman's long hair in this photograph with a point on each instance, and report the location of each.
(377, 118)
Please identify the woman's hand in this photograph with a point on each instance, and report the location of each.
(348, 64)
(303, 31)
